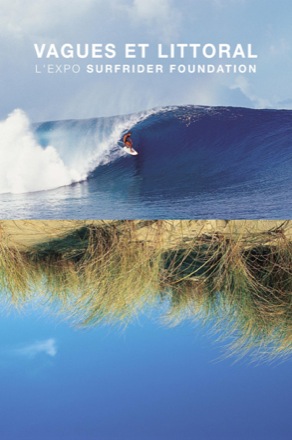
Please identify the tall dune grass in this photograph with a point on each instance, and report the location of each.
(111, 271)
(242, 285)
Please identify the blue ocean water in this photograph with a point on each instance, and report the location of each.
(193, 162)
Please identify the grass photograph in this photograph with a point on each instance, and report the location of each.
(233, 274)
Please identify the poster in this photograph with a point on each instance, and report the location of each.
(145, 296)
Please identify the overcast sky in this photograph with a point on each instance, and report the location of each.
(264, 24)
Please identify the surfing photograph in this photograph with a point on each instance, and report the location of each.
(185, 115)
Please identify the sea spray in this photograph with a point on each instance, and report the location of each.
(25, 165)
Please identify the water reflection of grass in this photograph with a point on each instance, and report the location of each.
(239, 279)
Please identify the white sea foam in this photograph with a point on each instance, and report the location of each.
(24, 165)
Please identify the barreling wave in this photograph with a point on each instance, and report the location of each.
(54, 154)
(215, 156)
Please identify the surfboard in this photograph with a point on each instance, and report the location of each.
(130, 151)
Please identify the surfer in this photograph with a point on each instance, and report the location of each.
(128, 144)
(128, 141)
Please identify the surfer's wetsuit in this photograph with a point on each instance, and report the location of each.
(127, 141)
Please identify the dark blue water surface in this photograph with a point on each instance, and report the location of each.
(193, 162)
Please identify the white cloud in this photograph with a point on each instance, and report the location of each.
(226, 3)
(202, 93)
(47, 346)
(242, 84)
(59, 18)
(157, 16)
(18, 18)
(280, 48)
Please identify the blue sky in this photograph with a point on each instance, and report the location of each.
(148, 382)
(266, 25)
